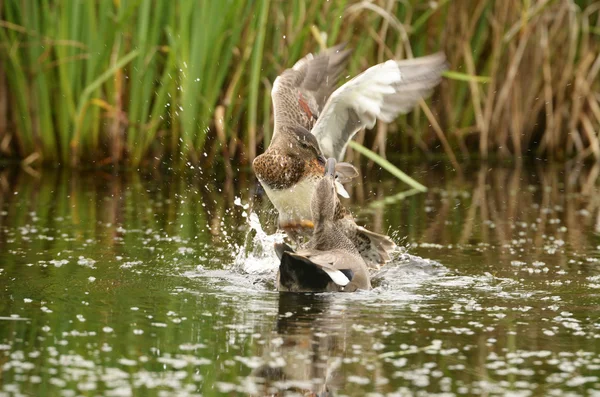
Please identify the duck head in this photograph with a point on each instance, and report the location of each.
(297, 142)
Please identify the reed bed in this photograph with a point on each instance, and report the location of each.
(140, 82)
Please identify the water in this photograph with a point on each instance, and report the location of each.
(157, 284)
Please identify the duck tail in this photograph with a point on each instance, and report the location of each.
(299, 274)
(280, 248)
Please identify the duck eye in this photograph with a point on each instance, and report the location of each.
(303, 143)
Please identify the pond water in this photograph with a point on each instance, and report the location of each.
(162, 284)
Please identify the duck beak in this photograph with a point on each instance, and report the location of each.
(330, 167)
(330, 171)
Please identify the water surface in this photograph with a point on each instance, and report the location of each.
(162, 284)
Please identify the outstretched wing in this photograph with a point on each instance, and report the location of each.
(300, 93)
(381, 92)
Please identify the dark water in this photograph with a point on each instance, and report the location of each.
(149, 284)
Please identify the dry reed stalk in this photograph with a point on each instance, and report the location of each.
(530, 88)
(410, 131)
(383, 31)
(498, 25)
(591, 135)
(394, 22)
(578, 98)
(585, 25)
(379, 144)
(567, 75)
(516, 119)
(554, 107)
(549, 136)
(525, 17)
(594, 106)
(466, 50)
(587, 125)
(590, 183)
(436, 127)
(513, 69)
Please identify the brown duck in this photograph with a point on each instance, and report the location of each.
(329, 261)
(312, 121)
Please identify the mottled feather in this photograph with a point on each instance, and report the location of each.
(308, 83)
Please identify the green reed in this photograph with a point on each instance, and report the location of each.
(136, 81)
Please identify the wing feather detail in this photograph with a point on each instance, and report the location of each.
(381, 92)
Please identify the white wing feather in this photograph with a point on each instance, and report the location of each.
(337, 276)
(381, 92)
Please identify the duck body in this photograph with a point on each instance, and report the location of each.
(313, 120)
(289, 171)
(329, 261)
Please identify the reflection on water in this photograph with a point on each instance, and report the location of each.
(159, 284)
(304, 355)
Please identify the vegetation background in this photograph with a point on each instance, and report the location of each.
(134, 82)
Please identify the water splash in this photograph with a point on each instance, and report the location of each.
(254, 265)
(258, 256)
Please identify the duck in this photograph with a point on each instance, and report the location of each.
(329, 261)
(315, 121)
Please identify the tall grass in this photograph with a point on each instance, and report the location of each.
(133, 82)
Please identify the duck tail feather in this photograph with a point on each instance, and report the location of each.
(337, 276)
(280, 248)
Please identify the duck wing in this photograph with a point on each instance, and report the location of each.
(375, 248)
(300, 93)
(381, 92)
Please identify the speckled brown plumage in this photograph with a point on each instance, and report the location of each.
(300, 92)
(279, 171)
(340, 212)
(292, 156)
